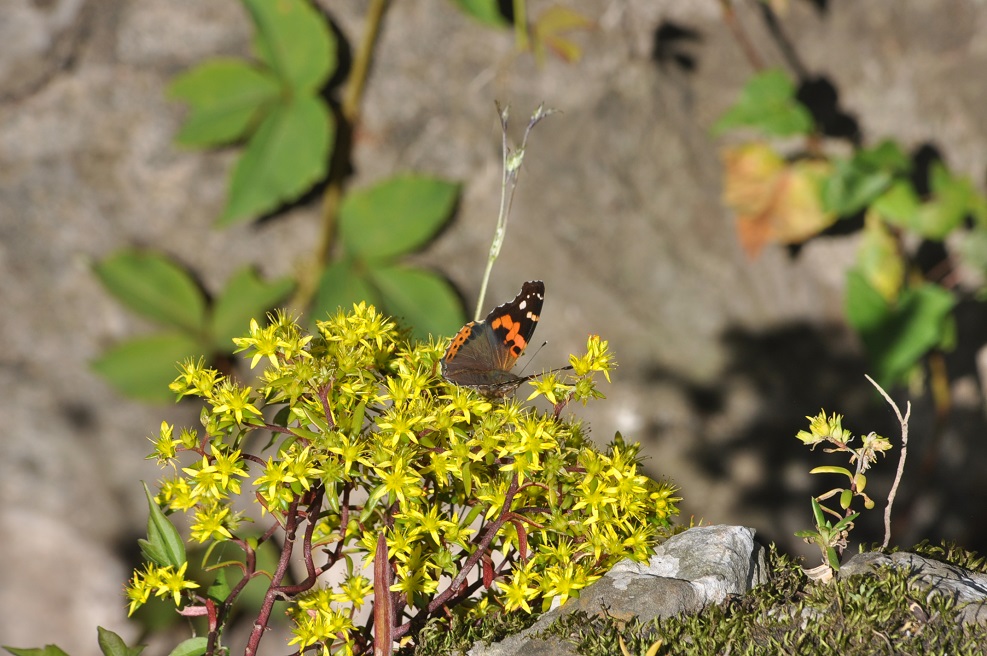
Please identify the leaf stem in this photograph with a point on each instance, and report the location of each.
(349, 110)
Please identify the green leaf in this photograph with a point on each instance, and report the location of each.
(163, 545)
(898, 336)
(191, 647)
(858, 181)
(246, 297)
(340, 287)
(143, 368)
(47, 650)
(284, 158)
(886, 156)
(113, 645)
(899, 204)
(846, 498)
(951, 203)
(817, 511)
(226, 97)
(485, 11)
(767, 103)
(395, 216)
(220, 588)
(879, 259)
(832, 559)
(832, 469)
(424, 300)
(154, 286)
(295, 41)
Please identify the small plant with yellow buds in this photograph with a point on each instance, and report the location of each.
(392, 496)
(830, 534)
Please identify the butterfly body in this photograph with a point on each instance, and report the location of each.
(482, 353)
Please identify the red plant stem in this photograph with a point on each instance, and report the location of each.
(276, 590)
(489, 532)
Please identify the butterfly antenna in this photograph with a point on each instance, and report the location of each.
(531, 359)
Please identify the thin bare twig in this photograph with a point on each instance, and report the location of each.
(903, 420)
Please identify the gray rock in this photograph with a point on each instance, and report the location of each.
(690, 571)
(968, 589)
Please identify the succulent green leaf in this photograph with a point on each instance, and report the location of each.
(832, 469)
(163, 545)
(817, 511)
(832, 558)
(155, 287)
(340, 286)
(396, 216)
(767, 103)
(191, 647)
(844, 524)
(295, 41)
(284, 158)
(246, 296)
(422, 299)
(47, 650)
(846, 498)
(113, 645)
(860, 482)
(226, 98)
(143, 368)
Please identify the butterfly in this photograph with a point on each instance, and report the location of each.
(482, 353)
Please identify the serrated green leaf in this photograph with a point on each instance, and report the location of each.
(485, 11)
(156, 287)
(47, 650)
(423, 299)
(767, 103)
(164, 546)
(886, 156)
(191, 647)
(852, 187)
(340, 286)
(951, 203)
(899, 204)
(143, 368)
(295, 41)
(245, 297)
(898, 336)
(113, 645)
(226, 98)
(284, 158)
(395, 216)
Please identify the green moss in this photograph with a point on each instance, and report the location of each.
(446, 637)
(874, 613)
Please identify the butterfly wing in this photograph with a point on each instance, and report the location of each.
(483, 352)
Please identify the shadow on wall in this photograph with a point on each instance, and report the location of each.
(795, 371)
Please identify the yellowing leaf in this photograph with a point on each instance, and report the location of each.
(774, 200)
(879, 260)
(551, 28)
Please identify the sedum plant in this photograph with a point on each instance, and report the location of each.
(392, 496)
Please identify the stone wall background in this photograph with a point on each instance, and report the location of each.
(618, 211)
